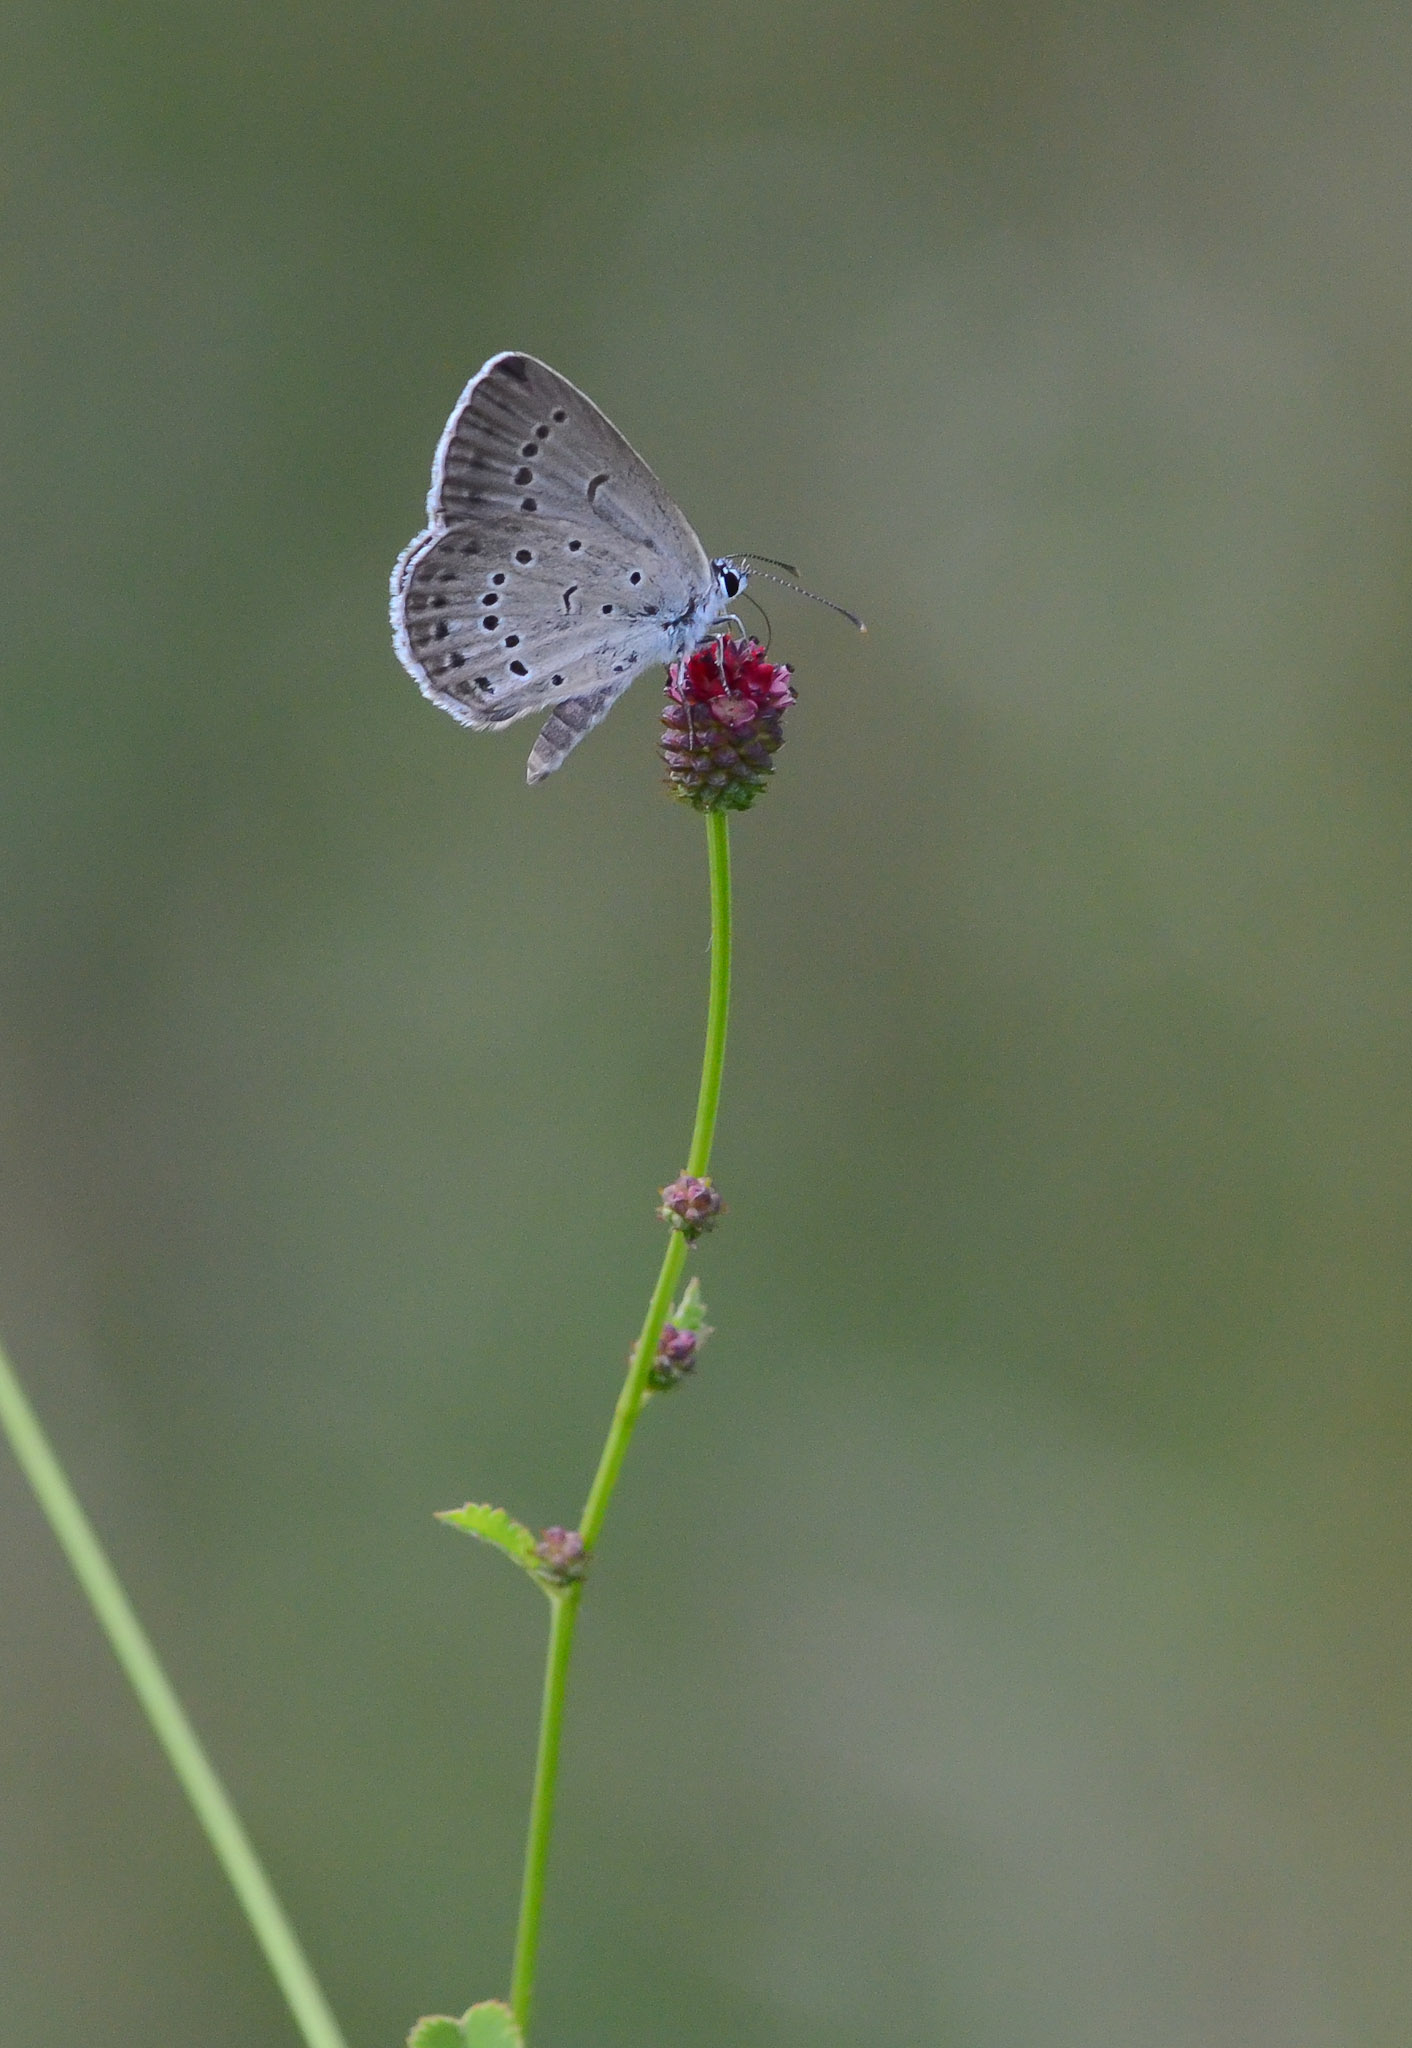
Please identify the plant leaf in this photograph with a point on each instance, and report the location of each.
(491, 2025)
(690, 1311)
(493, 1525)
(437, 2032)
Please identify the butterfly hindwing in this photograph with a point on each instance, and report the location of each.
(567, 724)
(497, 622)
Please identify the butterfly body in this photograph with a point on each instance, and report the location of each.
(554, 566)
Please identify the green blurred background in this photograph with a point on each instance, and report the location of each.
(1006, 1642)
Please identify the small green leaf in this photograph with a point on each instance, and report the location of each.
(491, 2025)
(437, 2032)
(690, 1311)
(493, 1525)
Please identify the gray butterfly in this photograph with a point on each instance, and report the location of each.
(554, 566)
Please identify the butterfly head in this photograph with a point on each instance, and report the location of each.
(731, 578)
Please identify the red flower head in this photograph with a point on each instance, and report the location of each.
(721, 723)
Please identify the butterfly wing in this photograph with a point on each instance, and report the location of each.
(566, 725)
(554, 567)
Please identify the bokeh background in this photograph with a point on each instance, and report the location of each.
(1005, 1643)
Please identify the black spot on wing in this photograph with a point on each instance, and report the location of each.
(514, 366)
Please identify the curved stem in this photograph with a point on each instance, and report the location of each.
(708, 1101)
(233, 1849)
(625, 1414)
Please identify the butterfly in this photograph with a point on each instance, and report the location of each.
(553, 568)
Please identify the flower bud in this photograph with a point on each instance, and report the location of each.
(676, 1356)
(563, 1556)
(721, 723)
(691, 1205)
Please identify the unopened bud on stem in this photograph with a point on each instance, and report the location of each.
(691, 1205)
(563, 1556)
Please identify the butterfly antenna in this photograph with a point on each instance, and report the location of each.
(800, 591)
(788, 567)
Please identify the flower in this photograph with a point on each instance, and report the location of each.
(691, 1205)
(563, 1556)
(676, 1355)
(721, 723)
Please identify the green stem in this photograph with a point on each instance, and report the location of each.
(708, 1101)
(233, 1850)
(615, 1449)
(541, 1820)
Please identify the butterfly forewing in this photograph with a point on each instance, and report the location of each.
(524, 440)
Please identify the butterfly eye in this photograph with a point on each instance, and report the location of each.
(730, 583)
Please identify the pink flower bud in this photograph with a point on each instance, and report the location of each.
(563, 1556)
(691, 1205)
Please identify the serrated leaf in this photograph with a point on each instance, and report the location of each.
(491, 2025)
(437, 2032)
(493, 1525)
(690, 1311)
